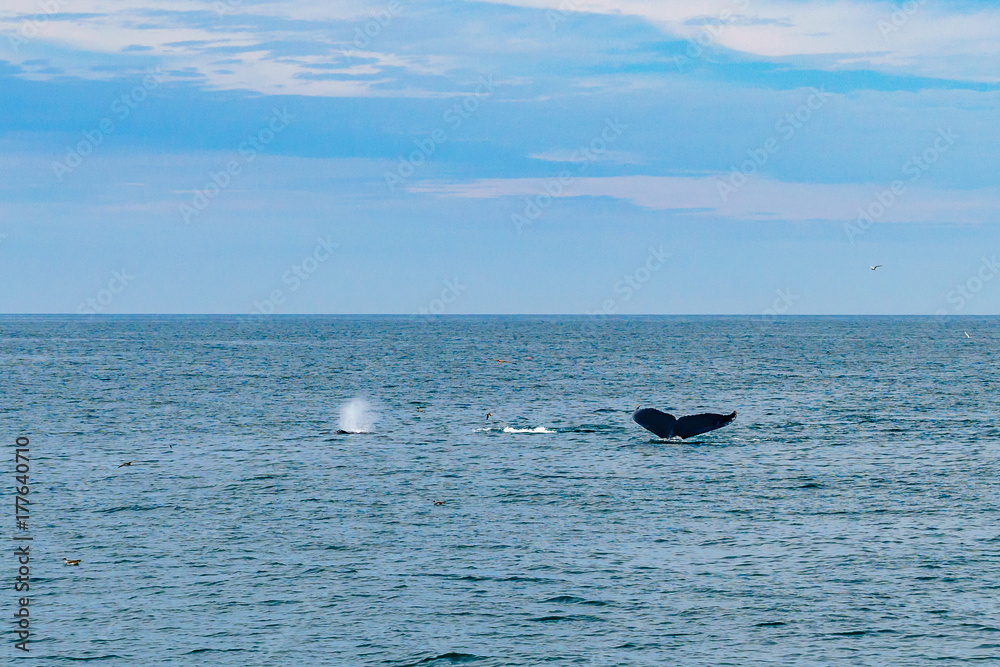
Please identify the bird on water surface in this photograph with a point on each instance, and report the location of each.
(71, 562)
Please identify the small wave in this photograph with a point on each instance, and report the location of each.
(27, 358)
(564, 598)
(572, 599)
(537, 429)
(853, 633)
(199, 651)
(129, 508)
(451, 657)
(555, 618)
(980, 626)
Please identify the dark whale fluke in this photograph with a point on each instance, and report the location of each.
(667, 426)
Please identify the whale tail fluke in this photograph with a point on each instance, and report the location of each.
(703, 423)
(666, 425)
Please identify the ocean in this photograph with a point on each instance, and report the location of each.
(848, 516)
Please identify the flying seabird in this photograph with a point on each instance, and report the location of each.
(127, 463)
(439, 502)
(70, 562)
(488, 415)
(874, 267)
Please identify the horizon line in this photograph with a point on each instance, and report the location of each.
(262, 317)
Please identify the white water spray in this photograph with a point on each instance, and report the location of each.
(356, 416)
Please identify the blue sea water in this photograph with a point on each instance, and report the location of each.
(849, 515)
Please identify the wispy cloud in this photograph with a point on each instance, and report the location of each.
(395, 49)
(763, 199)
(270, 48)
(932, 40)
(574, 156)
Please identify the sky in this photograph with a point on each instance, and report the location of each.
(530, 156)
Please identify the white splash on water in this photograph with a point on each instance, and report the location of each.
(511, 429)
(356, 416)
(537, 429)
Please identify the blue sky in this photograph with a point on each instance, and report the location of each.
(534, 156)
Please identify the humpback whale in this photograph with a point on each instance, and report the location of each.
(668, 426)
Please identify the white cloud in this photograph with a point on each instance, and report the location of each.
(103, 29)
(927, 41)
(930, 41)
(758, 199)
(615, 157)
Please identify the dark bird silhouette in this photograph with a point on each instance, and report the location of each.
(439, 502)
(667, 426)
(874, 267)
(127, 463)
(67, 561)
(488, 414)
